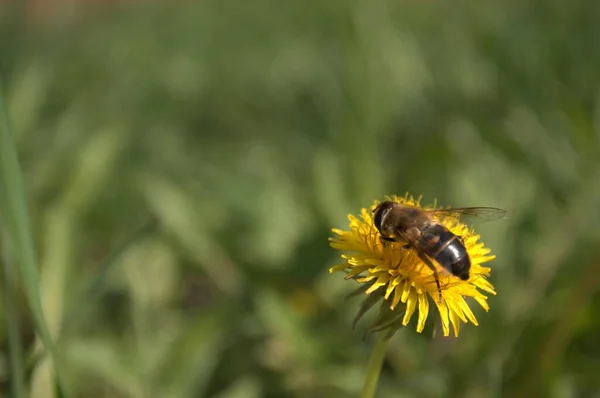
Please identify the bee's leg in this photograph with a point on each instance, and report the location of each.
(384, 239)
(428, 262)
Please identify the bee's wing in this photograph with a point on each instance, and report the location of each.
(470, 214)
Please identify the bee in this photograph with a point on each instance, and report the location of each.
(420, 230)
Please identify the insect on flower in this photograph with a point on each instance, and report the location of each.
(416, 252)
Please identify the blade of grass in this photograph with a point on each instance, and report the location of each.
(13, 206)
(15, 347)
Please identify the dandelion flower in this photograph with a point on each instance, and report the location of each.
(396, 274)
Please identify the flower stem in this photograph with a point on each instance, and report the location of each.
(374, 366)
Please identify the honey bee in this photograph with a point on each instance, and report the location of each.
(420, 230)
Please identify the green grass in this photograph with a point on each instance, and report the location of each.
(17, 375)
(13, 206)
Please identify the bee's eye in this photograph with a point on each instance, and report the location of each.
(380, 213)
(378, 216)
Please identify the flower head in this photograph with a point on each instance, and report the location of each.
(395, 272)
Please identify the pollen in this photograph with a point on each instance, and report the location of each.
(395, 272)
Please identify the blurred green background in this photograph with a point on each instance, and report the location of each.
(184, 164)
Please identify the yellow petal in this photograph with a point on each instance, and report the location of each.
(455, 320)
(423, 311)
(397, 297)
(411, 305)
(391, 286)
(467, 311)
(364, 279)
(484, 285)
(443, 309)
(455, 309)
(405, 291)
(339, 267)
(481, 299)
(381, 281)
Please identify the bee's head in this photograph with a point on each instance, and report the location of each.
(381, 212)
